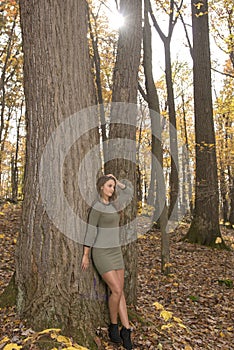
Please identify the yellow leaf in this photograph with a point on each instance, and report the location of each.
(182, 325)
(166, 315)
(222, 334)
(53, 335)
(188, 347)
(168, 264)
(26, 339)
(45, 331)
(230, 329)
(65, 340)
(177, 319)
(1, 213)
(75, 348)
(12, 346)
(166, 326)
(158, 306)
(218, 240)
(2, 235)
(4, 340)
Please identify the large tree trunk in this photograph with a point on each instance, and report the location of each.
(52, 289)
(204, 228)
(123, 126)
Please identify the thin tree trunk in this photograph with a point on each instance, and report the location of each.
(123, 125)
(4, 126)
(160, 214)
(97, 64)
(174, 179)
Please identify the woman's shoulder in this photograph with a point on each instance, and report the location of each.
(97, 205)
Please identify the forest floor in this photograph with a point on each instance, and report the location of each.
(192, 308)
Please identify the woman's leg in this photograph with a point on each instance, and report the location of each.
(114, 282)
(123, 314)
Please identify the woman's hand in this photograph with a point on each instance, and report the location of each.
(85, 262)
(118, 183)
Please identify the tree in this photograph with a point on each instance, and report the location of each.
(204, 228)
(166, 39)
(160, 212)
(224, 114)
(123, 122)
(52, 289)
(11, 85)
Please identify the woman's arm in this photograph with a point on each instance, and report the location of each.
(91, 234)
(85, 258)
(118, 183)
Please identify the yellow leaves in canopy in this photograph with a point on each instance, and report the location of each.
(199, 5)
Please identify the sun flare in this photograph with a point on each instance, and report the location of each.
(116, 20)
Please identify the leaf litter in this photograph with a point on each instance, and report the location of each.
(191, 309)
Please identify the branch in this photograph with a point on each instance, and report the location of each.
(223, 73)
(186, 32)
(142, 92)
(160, 32)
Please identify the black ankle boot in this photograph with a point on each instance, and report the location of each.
(126, 336)
(113, 331)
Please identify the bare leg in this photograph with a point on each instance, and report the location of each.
(114, 283)
(123, 314)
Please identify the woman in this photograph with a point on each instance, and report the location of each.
(103, 237)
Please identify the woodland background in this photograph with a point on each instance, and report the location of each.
(189, 305)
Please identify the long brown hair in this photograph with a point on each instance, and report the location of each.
(101, 181)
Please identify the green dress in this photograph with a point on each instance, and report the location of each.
(103, 236)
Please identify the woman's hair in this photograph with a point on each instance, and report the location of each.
(101, 181)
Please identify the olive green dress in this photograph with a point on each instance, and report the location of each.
(103, 236)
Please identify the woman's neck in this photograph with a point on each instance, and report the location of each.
(105, 200)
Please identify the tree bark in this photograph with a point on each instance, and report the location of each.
(174, 177)
(123, 124)
(52, 289)
(160, 212)
(204, 228)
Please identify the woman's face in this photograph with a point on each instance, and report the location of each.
(108, 189)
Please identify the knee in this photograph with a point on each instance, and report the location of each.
(117, 291)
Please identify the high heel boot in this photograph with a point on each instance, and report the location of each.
(125, 334)
(113, 331)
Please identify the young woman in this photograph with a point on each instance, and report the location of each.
(102, 238)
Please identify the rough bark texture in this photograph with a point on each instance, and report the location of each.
(204, 228)
(160, 214)
(125, 85)
(52, 289)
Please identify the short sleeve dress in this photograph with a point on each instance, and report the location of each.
(102, 236)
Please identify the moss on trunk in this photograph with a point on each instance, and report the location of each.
(200, 236)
